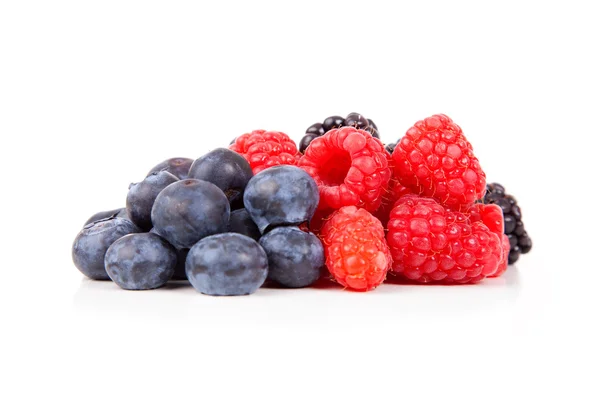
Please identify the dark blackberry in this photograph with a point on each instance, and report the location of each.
(520, 242)
(391, 146)
(333, 122)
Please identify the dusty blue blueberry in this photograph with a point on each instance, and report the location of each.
(295, 257)
(140, 261)
(227, 264)
(179, 167)
(281, 195)
(121, 213)
(93, 241)
(226, 169)
(189, 210)
(141, 197)
(241, 222)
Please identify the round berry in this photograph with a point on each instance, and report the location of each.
(140, 261)
(316, 129)
(227, 264)
(106, 214)
(179, 167)
(295, 257)
(141, 197)
(241, 223)
(305, 142)
(333, 122)
(264, 149)
(357, 121)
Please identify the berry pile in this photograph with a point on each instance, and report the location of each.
(343, 207)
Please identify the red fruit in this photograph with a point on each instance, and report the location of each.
(491, 215)
(429, 243)
(355, 249)
(350, 168)
(434, 159)
(264, 149)
(394, 192)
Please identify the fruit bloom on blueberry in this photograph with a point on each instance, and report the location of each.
(140, 261)
(241, 222)
(179, 167)
(91, 244)
(281, 195)
(189, 210)
(141, 197)
(227, 264)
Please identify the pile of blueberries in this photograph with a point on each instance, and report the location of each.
(210, 221)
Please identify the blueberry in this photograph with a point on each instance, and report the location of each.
(333, 122)
(140, 261)
(305, 142)
(189, 210)
(179, 167)
(226, 169)
(93, 241)
(228, 264)
(106, 214)
(241, 223)
(357, 120)
(281, 195)
(180, 267)
(295, 257)
(142, 195)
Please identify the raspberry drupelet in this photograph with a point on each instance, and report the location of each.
(264, 149)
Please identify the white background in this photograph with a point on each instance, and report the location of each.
(93, 94)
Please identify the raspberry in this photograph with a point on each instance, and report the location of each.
(394, 192)
(435, 159)
(491, 216)
(353, 119)
(350, 168)
(264, 149)
(355, 248)
(429, 243)
(520, 242)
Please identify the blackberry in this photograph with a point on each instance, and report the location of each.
(391, 146)
(353, 119)
(520, 242)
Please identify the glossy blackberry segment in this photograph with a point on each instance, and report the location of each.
(391, 146)
(520, 242)
(353, 119)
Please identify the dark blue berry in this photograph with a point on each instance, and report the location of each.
(305, 142)
(281, 195)
(228, 264)
(241, 223)
(189, 210)
(295, 257)
(179, 167)
(316, 129)
(179, 274)
(141, 197)
(226, 169)
(106, 214)
(509, 224)
(357, 120)
(91, 244)
(140, 261)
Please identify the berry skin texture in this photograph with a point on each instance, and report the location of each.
(434, 159)
(491, 216)
(141, 197)
(140, 262)
(295, 257)
(432, 244)
(350, 167)
(227, 264)
(179, 167)
(241, 223)
(189, 210)
(91, 244)
(264, 149)
(282, 195)
(355, 248)
(121, 213)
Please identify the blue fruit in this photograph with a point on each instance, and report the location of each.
(179, 274)
(93, 241)
(179, 167)
(281, 195)
(141, 197)
(295, 257)
(140, 261)
(226, 169)
(121, 213)
(228, 264)
(241, 223)
(189, 210)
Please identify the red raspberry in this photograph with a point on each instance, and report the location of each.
(264, 149)
(350, 168)
(493, 218)
(394, 192)
(355, 249)
(432, 244)
(435, 159)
